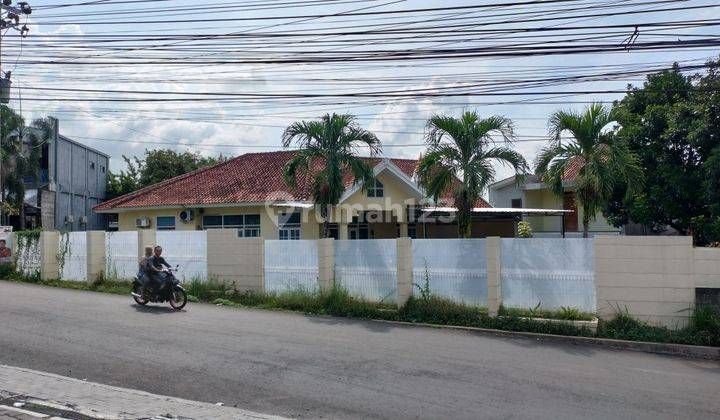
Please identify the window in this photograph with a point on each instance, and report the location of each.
(516, 203)
(165, 222)
(102, 169)
(289, 226)
(248, 225)
(92, 165)
(212, 222)
(375, 189)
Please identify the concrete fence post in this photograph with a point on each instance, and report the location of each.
(326, 263)
(494, 276)
(146, 237)
(49, 268)
(96, 254)
(235, 260)
(404, 270)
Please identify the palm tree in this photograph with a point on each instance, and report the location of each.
(463, 148)
(20, 153)
(332, 142)
(606, 163)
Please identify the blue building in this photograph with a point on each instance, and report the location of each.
(73, 179)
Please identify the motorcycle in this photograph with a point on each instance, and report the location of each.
(173, 292)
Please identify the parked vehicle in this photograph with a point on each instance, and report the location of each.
(175, 295)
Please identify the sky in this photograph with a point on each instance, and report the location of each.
(231, 95)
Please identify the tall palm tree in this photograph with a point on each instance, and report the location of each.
(463, 148)
(20, 150)
(606, 163)
(332, 142)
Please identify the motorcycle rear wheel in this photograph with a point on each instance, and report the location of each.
(178, 300)
(138, 289)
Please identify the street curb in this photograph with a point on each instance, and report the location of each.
(699, 352)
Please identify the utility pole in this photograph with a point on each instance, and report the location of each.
(9, 19)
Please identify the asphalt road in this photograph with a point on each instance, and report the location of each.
(302, 366)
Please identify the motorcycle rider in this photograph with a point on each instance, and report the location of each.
(156, 263)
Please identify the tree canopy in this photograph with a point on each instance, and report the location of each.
(332, 140)
(463, 149)
(154, 167)
(672, 124)
(20, 154)
(606, 162)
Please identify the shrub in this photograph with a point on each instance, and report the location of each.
(207, 290)
(435, 310)
(565, 312)
(524, 230)
(7, 271)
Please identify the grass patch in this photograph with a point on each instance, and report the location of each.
(434, 310)
(566, 313)
(704, 329)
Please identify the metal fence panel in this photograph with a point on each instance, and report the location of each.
(552, 272)
(188, 249)
(456, 269)
(367, 268)
(291, 265)
(72, 256)
(121, 254)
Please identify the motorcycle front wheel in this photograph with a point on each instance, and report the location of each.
(178, 300)
(138, 289)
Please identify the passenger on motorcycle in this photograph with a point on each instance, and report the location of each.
(156, 266)
(144, 268)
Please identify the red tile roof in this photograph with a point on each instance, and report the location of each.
(573, 168)
(249, 178)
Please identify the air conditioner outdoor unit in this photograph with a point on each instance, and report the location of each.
(187, 216)
(142, 222)
(69, 219)
(83, 220)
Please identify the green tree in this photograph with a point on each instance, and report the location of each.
(606, 163)
(463, 149)
(671, 123)
(21, 150)
(156, 166)
(333, 140)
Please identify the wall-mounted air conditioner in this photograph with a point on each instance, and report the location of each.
(83, 220)
(69, 219)
(187, 216)
(142, 222)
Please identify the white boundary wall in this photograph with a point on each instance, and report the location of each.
(291, 265)
(456, 269)
(73, 246)
(121, 259)
(367, 268)
(553, 273)
(187, 249)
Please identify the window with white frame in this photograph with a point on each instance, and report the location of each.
(289, 226)
(165, 223)
(375, 189)
(248, 225)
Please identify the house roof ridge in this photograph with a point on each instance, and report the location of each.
(125, 197)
